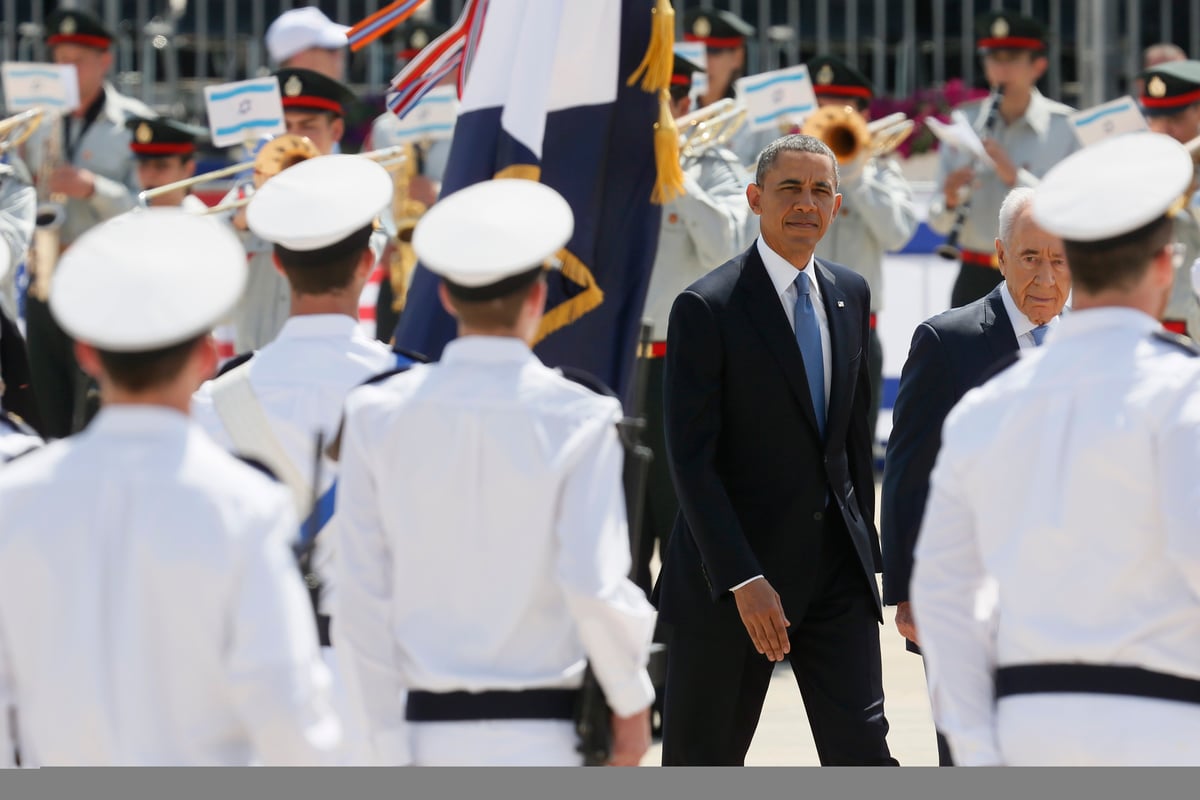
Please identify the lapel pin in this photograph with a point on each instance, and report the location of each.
(841, 303)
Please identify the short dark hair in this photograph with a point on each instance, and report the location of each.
(327, 269)
(146, 369)
(498, 312)
(796, 142)
(1120, 262)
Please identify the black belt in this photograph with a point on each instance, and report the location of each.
(1095, 679)
(323, 630)
(496, 704)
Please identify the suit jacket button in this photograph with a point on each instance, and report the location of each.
(818, 516)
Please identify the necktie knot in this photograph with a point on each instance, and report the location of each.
(802, 284)
(1039, 334)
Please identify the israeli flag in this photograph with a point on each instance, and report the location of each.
(242, 111)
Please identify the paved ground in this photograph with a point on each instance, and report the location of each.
(783, 737)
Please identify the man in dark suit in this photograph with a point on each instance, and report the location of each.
(951, 354)
(774, 550)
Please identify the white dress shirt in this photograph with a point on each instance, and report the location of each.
(1062, 527)
(301, 380)
(1022, 325)
(482, 538)
(783, 276)
(150, 610)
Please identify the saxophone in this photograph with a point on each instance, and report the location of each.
(51, 211)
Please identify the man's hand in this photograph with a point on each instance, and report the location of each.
(762, 614)
(905, 623)
(630, 739)
(1005, 168)
(955, 181)
(73, 182)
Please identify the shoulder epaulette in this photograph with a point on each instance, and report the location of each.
(587, 380)
(234, 363)
(1180, 341)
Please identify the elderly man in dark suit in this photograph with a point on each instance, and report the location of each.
(774, 551)
(951, 354)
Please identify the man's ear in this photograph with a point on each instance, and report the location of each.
(89, 359)
(1000, 256)
(754, 198)
(444, 296)
(338, 127)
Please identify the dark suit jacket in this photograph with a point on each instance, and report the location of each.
(749, 466)
(951, 354)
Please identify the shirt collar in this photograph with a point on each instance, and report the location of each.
(318, 326)
(781, 271)
(487, 349)
(1021, 324)
(1088, 321)
(1037, 113)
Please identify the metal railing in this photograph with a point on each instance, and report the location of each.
(903, 45)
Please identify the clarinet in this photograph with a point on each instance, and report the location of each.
(950, 250)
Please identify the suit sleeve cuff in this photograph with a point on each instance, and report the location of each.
(745, 583)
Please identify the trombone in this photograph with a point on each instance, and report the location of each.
(849, 135)
(708, 127)
(16, 129)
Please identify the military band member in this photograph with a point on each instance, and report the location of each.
(701, 230)
(96, 174)
(1027, 135)
(18, 210)
(314, 106)
(1057, 567)
(305, 38)
(1171, 103)
(318, 216)
(181, 634)
(165, 151)
(482, 577)
(877, 214)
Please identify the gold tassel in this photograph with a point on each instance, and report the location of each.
(669, 183)
(660, 53)
(570, 310)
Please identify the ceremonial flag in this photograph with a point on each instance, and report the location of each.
(546, 99)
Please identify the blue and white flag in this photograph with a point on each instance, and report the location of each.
(546, 99)
(243, 111)
(779, 97)
(50, 86)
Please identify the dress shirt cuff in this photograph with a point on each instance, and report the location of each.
(745, 583)
(632, 695)
(110, 198)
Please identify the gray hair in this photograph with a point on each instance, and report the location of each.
(796, 142)
(1017, 201)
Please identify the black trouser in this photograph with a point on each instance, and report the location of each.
(62, 389)
(945, 759)
(717, 681)
(385, 317)
(973, 282)
(661, 504)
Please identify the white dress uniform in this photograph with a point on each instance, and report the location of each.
(496, 560)
(299, 381)
(157, 618)
(702, 229)
(1060, 535)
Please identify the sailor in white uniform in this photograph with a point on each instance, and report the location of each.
(150, 610)
(1058, 565)
(483, 546)
(318, 215)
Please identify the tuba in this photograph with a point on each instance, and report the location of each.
(51, 210)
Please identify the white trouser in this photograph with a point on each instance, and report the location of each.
(355, 752)
(1097, 730)
(499, 743)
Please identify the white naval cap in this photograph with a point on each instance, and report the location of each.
(1113, 187)
(148, 279)
(297, 30)
(491, 238)
(319, 202)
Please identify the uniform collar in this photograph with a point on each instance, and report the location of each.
(486, 349)
(1037, 113)
(140, 419)
(1089, 321)
(318, 326)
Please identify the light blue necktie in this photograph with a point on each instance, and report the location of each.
(1039, 334)
(808, 336)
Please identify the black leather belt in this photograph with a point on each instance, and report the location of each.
(323, 630)
(496, 704)
(1095, 679)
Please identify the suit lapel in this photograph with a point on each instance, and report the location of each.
(842, 336)
(997, 327)
(766, 314)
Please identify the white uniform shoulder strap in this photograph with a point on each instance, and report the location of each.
(248, 427)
